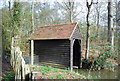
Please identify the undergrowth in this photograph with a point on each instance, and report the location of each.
(10, 76)
(103, 58)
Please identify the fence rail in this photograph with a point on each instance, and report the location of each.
(17, 61)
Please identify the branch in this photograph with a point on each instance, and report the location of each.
(61, 5)
(91, 3)
(67, 5)
(87, 4)
(96, 2)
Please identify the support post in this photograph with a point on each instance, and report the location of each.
(80, 43)
(32, 52)
(71, 54)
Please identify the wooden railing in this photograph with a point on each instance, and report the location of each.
(17, 61)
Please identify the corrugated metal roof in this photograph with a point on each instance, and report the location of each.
(60, 31)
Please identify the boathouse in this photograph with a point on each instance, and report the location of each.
(59, 44)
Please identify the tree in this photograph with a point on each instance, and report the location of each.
(6, 28)
(69, 10)
(33, 17)
(110, 23)
(118, 20)
(88, 28)
(46, 15)
(98, 18)
(16, 19)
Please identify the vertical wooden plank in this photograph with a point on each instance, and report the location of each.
(12, 52)
(81, 53)
(32, 52)
(17, 61)
(71, 54)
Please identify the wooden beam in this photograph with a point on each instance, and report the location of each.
(71, 54)
(32, 52)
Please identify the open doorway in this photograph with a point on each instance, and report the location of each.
(77, 53)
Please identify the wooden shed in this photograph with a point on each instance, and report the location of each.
(59, 44)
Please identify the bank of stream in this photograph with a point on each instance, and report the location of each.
(100, 74)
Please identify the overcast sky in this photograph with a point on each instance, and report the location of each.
(82, 7)
(81, 1)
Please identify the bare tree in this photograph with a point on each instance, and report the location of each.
(69, 10)
(88, 28)
(33, 16)
(98, 18)
(118, 31)
(110, 22)
(71, 5)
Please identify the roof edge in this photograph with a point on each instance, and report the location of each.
(73, 30)
(74, 23)
(59, 24)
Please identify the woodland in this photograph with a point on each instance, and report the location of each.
(99, 23)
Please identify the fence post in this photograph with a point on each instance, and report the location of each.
(17, 61)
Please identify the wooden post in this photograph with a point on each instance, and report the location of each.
(71, 54)
(32, 52)
(81, 53)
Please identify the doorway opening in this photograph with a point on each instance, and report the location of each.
(77, 53)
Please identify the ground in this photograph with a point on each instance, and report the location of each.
(47, 72)
(6, 67)
(96, 49)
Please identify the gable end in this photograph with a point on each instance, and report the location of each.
(76, 33)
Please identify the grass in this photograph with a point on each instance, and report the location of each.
(9, 76)
(55, 73)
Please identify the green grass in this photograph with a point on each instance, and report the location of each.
(55, 73)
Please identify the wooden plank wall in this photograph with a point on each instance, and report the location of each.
(56, 51)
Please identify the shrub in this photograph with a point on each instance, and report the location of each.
(105, 59)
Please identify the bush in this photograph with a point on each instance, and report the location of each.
(105, 59)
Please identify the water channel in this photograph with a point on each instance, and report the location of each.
(100, 74)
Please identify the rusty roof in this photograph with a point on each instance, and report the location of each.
(59, 31)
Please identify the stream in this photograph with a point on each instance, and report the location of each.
(100, 74)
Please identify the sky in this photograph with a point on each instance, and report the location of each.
(1, 4)
(82, 7)
(2, 1)
(59, 0)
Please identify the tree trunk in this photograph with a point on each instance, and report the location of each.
(110, 21)
(71, 12)
(87, 36)
(110, 24)
(32, 17)
(98, 19)
(9, 5)
(88, 29)
(118, 19)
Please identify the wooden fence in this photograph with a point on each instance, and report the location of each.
(17, 61)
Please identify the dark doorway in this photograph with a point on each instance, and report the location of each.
(77, 53)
